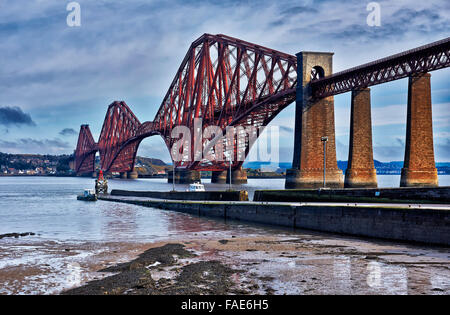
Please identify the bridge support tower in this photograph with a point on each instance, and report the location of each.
(238, 177)
(132, 175)
(361, 171)
(184, 177)
(420, 168)
(219, 177)
(314, 120)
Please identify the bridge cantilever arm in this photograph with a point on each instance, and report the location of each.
(423, 59)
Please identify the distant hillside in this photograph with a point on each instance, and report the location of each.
(35, 164)
(383, 168)
(152, 161)
(259, 165)
(150, 167)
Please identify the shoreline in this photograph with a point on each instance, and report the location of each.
(288, 262)
(275, 265)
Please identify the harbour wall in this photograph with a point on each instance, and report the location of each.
(428, 226)
(186, 195)
(372, 195)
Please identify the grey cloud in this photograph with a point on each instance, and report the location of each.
(157, 149)
(397, 152)
(120, 57)
(286, 154)
(29, 145)
(406, 15)
(388, 153)
(43, 63)
(68, 132)
(14, 116)
(395, 25)
(442, 151)
(400, 142)
(286, 129)
(298, 10)
(383, 153)
(341, 151)
(348, 22)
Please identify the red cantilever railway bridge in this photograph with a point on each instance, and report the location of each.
(230, 82)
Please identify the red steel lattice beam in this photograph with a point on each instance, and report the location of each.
(423, 59)
(85, 152)
(230, 82)
(226, 82)
(120, 126)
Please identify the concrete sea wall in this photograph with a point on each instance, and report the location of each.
(394, 223)
(186, 195)
(372, 195)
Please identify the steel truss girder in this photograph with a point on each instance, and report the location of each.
(85, 151)
(120, 126)
(423, 59)
(230, 82)
(219, 80)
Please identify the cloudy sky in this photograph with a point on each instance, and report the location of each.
(53, 78)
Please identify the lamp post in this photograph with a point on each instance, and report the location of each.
(227, 155)
(173, 176)
(324, 140)
(230, 173)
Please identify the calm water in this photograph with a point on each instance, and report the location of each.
(48, 207)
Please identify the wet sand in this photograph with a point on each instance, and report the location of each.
(51, 267)
(295, 264)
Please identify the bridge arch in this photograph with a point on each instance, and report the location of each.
(317, 72)
(229, 82)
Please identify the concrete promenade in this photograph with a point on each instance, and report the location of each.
(423, 223)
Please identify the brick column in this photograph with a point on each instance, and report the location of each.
(183, 176)
(219, 177)
(238, 176)
(361, 171)
(420, 167)
(132, 175)
(314, 120)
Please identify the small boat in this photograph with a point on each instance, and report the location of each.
(88, 195)
(196, 187)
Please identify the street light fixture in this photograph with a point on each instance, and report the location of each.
(324, 140)
(229, 157)
(173, 175)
